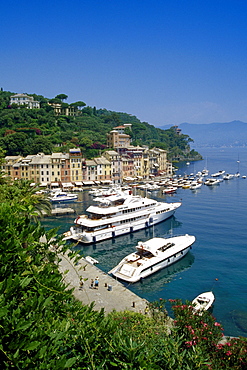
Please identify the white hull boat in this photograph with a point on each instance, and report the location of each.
(228, 176)
(203, 302)
(170, 190)
(195, 185)
(118, 215)
(212, 182)
(152, 256)
(62, 196)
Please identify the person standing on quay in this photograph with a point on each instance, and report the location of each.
(96, 282)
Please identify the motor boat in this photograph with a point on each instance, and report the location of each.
(62, 196)
(211, 182)
(195, 185)
(152, 256)
(217, 174)
(203, 302)
(169, 190)
(119, 214)
(228, 176)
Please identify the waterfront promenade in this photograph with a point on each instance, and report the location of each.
(110, 294)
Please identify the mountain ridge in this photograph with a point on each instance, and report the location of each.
(216, 134)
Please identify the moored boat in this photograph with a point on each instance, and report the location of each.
(228, 176)
(203, 302)
(152, 256)
(62, 196)
(119, 214)
(169, 190)
(211, 182)
(195, 185)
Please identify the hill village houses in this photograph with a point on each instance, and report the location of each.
(123, 163)
(126, 163)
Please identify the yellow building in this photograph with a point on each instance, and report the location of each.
(103, 169)
(75, 157)
(116, 165)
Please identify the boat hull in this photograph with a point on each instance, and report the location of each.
(137, 266)
(152, 269)
(112, 232)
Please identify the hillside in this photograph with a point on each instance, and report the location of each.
(216, 134)
(29, 131)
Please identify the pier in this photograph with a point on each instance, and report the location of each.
(59, 212)
(110, 294)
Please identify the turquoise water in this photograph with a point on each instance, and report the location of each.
(217, 217)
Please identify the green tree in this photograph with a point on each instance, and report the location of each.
(13, 144)
(78, 104)
(61, 96)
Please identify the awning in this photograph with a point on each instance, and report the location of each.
(88, 183)
(55, 184)
(129, 178)
(151, 175)
(32, 184)
(43, 184)
(78, 183)
(67, 184)
(105, 181)
(97, 182)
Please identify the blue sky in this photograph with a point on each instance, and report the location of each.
(166, 62)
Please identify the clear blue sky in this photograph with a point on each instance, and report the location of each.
(166, 62)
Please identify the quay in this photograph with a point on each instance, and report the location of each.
(110, 294)
(59, 212)
(62, 211)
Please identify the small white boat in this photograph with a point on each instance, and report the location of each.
(228, 176)
(152, 256)
(169, 190)
(203, 302)
(195, 185)
(62, 196)
(212, 182)
(91, 260)
(217, 174)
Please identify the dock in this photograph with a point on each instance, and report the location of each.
(110, 294)
(59, 212)
(62, 211)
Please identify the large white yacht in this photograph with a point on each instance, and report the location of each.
(151, 256)
(117, 215)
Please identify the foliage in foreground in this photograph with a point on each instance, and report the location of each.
(42, 326)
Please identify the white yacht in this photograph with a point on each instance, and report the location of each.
(62, 196)
(117, 215)
(152, 256)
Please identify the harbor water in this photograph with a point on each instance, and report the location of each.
(216, 215)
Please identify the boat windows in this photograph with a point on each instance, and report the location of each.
(166, 246)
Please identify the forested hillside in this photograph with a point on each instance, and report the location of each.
(29, 131)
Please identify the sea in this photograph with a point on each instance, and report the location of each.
(215, 215)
